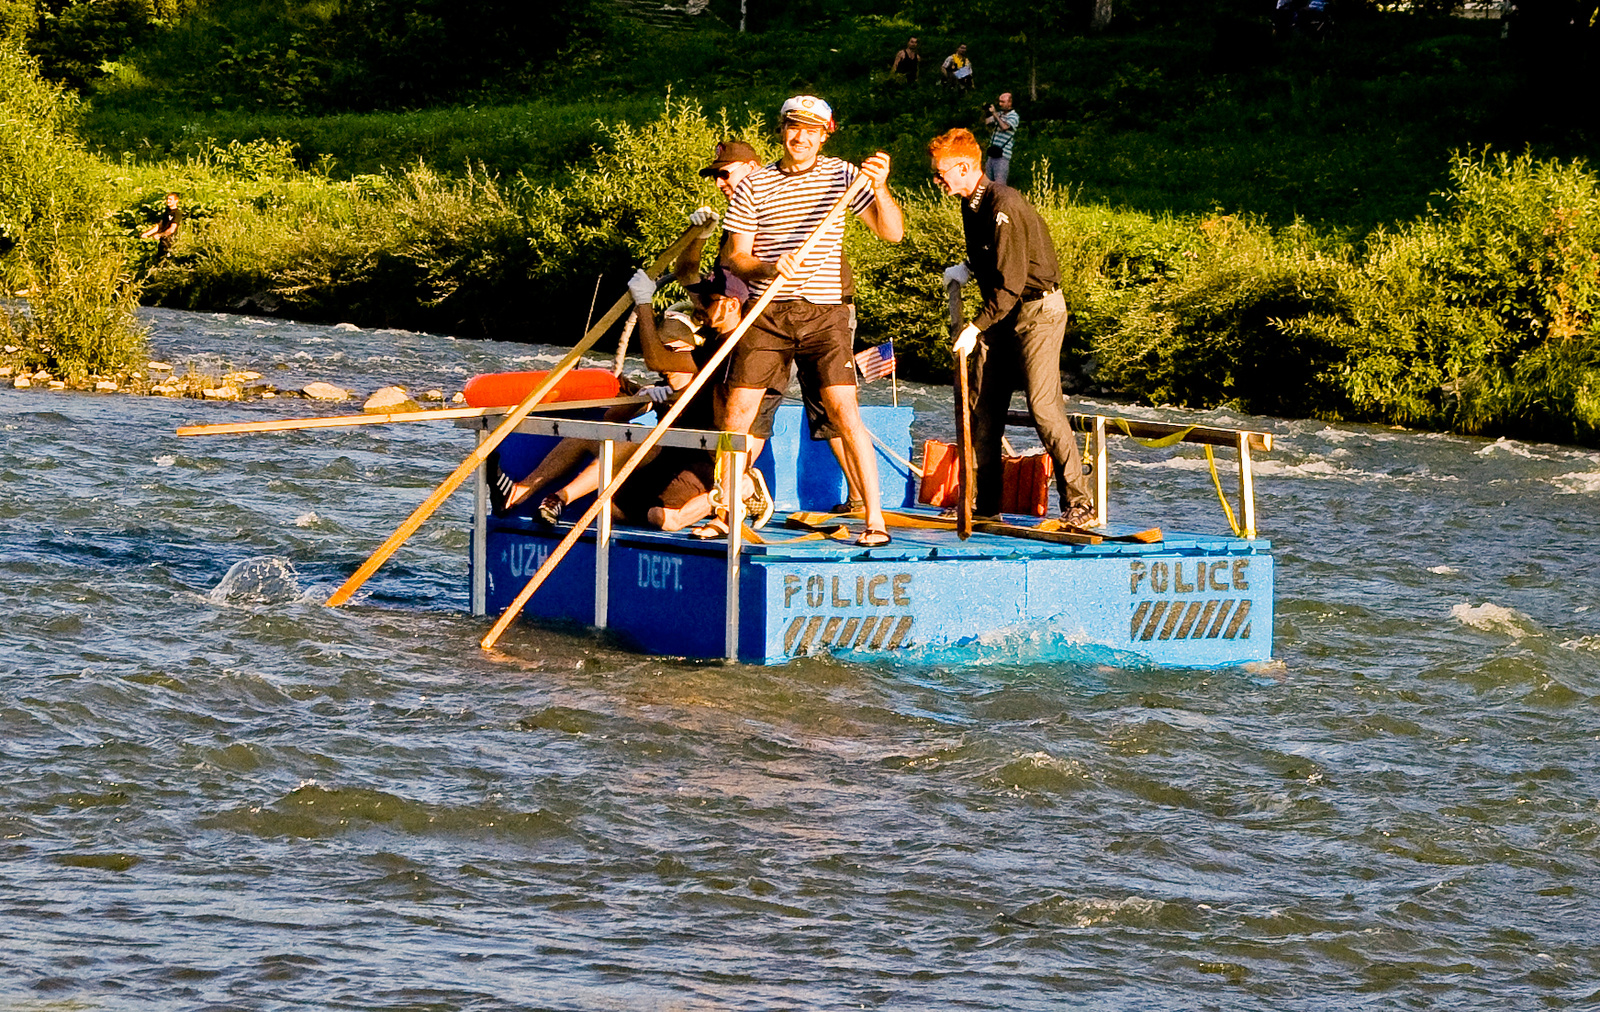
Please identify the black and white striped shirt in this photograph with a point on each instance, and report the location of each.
(780, 209)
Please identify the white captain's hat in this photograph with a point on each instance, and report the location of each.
(808, 109)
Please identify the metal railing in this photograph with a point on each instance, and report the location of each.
(733, 446)
(1243, 440)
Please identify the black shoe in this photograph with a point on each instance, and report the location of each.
(849, 506)
(550, 509)
(500, 485)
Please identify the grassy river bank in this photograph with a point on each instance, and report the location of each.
(1470, 310)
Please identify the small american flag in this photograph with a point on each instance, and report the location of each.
(876, 363)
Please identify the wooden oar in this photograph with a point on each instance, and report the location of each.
(965, 467)
(338, 421)
(603, 500)
(1148, 536)
(507, 426)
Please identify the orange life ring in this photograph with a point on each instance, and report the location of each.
(505, 389)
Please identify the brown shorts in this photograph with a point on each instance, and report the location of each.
(700, 414)
(817, 338)
(671, 478)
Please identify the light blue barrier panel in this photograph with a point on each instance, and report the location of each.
(804, 475)
(1197, 607)
(878, 606)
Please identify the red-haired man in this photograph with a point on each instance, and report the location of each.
(1017, 333)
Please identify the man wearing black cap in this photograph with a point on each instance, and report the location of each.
(770, 215)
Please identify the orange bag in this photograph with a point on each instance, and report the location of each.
(939, 474)
(1026, 489)
(505, 389)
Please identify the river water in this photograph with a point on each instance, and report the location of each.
(219, 794)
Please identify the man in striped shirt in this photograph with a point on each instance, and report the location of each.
(772, 212)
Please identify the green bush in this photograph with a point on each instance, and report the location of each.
(1478, 317)
(471, 254)
(55, 202)
(80, 318)
(1211, 332)
(1481, 317)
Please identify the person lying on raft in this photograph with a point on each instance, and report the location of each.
(506, 494)
(671, 489)
(678, 350)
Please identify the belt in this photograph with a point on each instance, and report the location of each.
(1035, 296)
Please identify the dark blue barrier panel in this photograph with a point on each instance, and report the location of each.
(514, 556)
(666, 599)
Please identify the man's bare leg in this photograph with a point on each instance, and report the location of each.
(845, 413)
(588, 480)
(555, 463)
(669, 519)
(852, 480)
(739, 408)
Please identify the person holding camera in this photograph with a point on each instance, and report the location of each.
(1002, 123)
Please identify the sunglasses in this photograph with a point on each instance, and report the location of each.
(721, 174)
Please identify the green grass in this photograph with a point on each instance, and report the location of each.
(1281, 227)
(1350, 135)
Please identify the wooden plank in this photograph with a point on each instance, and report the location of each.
(1035, 533)
(813, 520)
(339, 421)
(1149, 536)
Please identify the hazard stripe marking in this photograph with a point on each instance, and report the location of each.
(1239, 616)
(1155, 619)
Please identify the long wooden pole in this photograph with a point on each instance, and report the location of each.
(603, 500)
(380, 418)
(507, 426)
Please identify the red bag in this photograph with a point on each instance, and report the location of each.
(1026, 488)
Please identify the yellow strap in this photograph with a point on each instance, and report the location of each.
(1171, 439)
(1226, 509)
(724, 446)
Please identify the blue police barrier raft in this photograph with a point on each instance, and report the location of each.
(1190, 600)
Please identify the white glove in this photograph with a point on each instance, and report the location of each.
(658, 394)
(642, 287)
(965, 341)
(707, 219)
(957, 274)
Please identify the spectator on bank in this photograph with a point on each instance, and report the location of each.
(1002, 123)
(165, 230)
(957, 70)
(908, 61)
